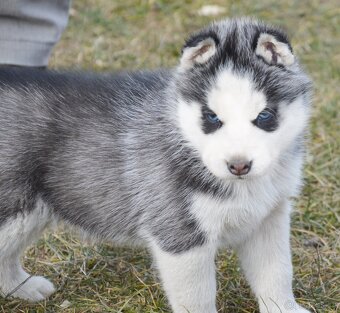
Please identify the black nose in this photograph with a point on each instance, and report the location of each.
(239, 167)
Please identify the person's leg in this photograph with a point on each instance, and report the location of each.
(29, 29)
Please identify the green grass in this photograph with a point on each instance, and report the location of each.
(113, 35)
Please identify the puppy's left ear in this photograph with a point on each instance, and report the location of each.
(198, 50)
(274, 51)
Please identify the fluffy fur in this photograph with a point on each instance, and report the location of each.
(147, 158)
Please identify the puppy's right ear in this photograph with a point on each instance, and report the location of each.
(198, 50)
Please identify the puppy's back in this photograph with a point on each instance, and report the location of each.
(62, 139)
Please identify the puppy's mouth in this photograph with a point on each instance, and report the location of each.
(238, 178)
(245, 177)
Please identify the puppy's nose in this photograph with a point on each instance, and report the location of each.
(239, 167)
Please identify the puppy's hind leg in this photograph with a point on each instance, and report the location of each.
(15, 235)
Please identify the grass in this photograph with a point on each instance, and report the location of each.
(113, 35)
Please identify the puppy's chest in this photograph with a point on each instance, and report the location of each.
(231, 219)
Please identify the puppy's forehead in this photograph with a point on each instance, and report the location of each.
(235, 95)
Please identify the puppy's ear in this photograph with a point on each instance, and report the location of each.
(198, 50)
(273, 51)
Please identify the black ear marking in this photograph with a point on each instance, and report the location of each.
(196, 39)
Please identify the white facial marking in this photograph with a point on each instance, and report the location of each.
(234, 98)
(237, 103)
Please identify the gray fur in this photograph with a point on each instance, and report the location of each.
(105, 152)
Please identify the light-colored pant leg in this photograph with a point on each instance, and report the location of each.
(29, 29)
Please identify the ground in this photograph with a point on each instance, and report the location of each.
(113, 35)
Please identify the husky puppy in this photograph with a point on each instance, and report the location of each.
(184, 161)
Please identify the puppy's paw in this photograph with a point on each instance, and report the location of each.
(36, 288)
(301, 310)
(293, 307)
(289, 306)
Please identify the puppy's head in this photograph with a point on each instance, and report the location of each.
(243, 98)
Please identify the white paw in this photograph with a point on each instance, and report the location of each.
(301, 310)
(36, 288)
(289, 306)
(293, 307)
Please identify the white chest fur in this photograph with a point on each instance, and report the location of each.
(229, 221)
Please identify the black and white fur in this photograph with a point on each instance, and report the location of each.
(183, 161)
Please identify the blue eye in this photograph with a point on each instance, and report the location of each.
(267, 120)
(212, 118)
(211, 122)
(265, 116)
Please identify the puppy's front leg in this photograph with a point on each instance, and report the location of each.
(266, 261)
(188, 279)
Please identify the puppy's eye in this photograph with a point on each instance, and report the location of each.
(266, 120)
(265, 116)
(212, 118)
(211, 122)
